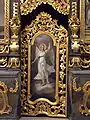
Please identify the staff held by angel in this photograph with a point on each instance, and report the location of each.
(44, 69)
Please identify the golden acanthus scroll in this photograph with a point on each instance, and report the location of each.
(62, 6)
(83, 107)
(5, 108)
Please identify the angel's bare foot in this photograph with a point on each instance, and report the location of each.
(43, 84)
(48, 82)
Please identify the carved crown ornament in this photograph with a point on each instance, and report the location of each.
(62, 6)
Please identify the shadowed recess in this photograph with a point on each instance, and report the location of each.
(61, 19)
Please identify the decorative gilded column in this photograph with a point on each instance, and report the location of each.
(74, 24)
(15, 28)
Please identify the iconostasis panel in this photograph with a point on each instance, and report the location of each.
(44, 55)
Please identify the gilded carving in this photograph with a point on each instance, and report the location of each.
(83, 107)
(4, 106)
(74, 24)
(14, 47)
(85, 48)
(74, 62)
(15, 89)
(44, 25)
(4, 47)
(13, 62)
(6, 21)
(29, 5)
(77, 62)
(15, 27)
(3, 62)
(75, 88)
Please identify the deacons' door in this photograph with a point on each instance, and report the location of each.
(44, 57)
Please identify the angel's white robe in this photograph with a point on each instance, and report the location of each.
(44, 70)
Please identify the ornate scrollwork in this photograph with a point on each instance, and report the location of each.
(15, 89)
(83, 108)
(13, 62)
(74, 62)
(86, 99)
(85, 48)
(15, 26)
(77, 62)
(5, 108)
(3, 62)
(29, 5)
(4, 49)
(75, 86)
(43, 24)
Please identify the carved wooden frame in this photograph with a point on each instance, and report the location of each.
(60, 40)
(6, 22)
(4, 43)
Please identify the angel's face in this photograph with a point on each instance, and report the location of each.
(42, 47)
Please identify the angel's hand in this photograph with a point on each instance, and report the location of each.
(34, 60)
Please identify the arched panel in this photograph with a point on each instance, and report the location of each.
(44, 50)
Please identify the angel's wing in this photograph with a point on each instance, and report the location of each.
(50, 57)
(37, 52)
(87, 2)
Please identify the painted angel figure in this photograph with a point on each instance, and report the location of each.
(44, 69)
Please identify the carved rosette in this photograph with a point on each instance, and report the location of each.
(44, 24)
